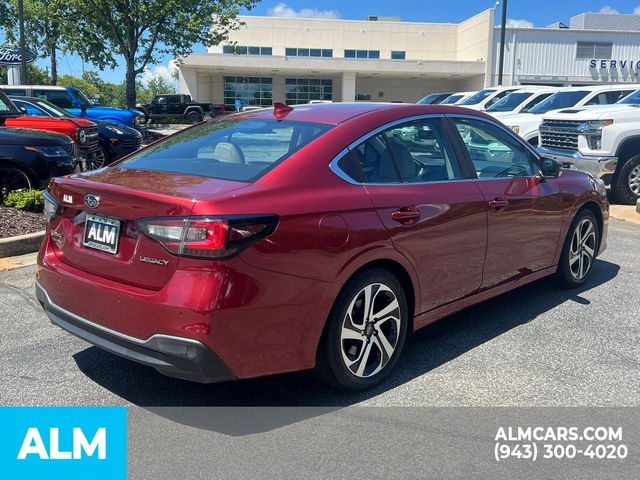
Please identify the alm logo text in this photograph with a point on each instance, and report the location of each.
(33, 445)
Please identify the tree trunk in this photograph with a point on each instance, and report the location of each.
(54, 64)
(130, 78)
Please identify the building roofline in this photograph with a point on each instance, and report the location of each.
(568, 30)
(349, 20)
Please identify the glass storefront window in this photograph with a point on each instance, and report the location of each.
(303, 90)
(252, 91)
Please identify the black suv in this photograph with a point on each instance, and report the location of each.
(29, 158)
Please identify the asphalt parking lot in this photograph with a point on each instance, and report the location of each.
(536, 346)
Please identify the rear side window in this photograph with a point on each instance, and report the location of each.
(240, 150)
(412, 152)
(58, 97)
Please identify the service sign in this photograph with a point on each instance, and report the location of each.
(10, 55)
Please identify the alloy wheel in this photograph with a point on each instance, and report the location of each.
(13, 179)
(583, 249)
(370, 330)
(634, 180)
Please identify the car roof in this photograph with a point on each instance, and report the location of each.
(604, 88)
(39, 87)
(335, 113)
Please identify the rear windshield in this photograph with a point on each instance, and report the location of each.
(559, 100)
(240, 150)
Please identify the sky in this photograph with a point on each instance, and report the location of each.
(522, 13)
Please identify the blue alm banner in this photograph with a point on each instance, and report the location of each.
(63, 443)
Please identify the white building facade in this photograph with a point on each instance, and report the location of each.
(383, 59)
(378, 59)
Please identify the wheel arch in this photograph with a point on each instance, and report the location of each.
(630, 147)
(595, 209)
(33, 178)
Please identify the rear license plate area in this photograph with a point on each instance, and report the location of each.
(101, 233)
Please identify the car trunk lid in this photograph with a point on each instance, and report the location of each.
(105, 205)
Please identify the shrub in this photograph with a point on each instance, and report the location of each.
(30, 200)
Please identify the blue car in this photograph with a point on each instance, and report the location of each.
(76, 103)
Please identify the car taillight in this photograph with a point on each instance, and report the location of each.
(51, 208)
(205, 237)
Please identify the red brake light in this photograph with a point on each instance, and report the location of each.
(280, 110)
(203, 237)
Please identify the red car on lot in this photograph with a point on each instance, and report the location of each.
(315, 236)
(83, 132)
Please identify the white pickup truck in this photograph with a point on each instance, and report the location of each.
(604, 141)
(526, 123)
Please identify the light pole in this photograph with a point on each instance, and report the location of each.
(502, 32)
(23, 46)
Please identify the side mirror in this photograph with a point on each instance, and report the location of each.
(23, 111)
(550, 168)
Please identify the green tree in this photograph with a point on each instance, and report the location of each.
(144, 31)
(45, 20)
(156, 86)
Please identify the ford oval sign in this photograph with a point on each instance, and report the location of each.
(9, 55)
(91, 201)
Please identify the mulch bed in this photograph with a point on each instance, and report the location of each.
(17, 222)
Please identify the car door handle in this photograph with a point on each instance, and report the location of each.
(499, 204)
(405, 215)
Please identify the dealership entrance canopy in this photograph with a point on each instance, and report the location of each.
(378, 59)
(383, 59)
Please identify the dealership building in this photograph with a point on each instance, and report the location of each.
(295, 60)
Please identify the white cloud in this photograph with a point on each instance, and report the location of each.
(608, 9)
(284, 10)
(518, 23)
(167, 73)
(636, 11)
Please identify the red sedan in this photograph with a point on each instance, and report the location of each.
(318, 236)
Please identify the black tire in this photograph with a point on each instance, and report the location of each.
(573, 269)
(335, 351)
(100, 160)
(625, 185)
(12, 178)
(194, 117)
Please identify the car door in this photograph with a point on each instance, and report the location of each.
(174, 105)
(434, 216)
(159, 105)
(524, 212)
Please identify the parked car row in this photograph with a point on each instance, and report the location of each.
(592, 128)
(40, 140)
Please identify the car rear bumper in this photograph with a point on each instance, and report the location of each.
(599, 166)
(176, 357)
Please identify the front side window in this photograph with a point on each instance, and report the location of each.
(494, 152)
(412, 152)
(607, 98)
(240, 150)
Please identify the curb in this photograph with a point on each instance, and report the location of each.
(638, 206)
(29, 243)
